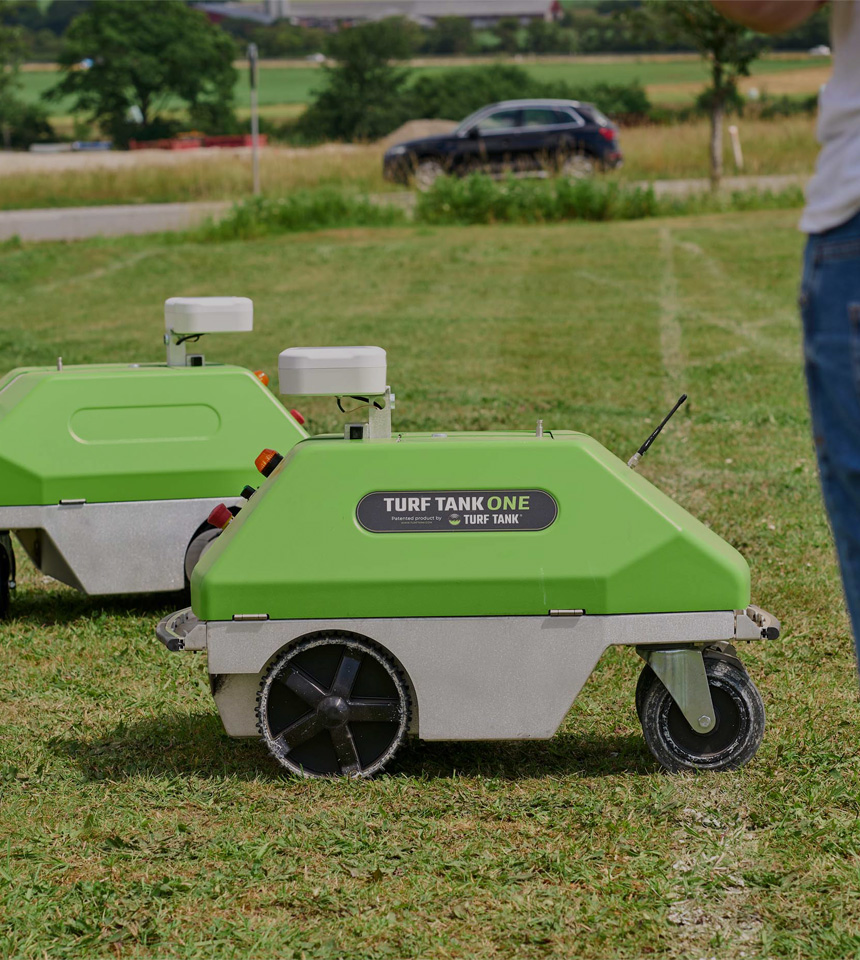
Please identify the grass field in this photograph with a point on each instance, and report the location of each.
(291, 83)
(651, 153)
(131, 826)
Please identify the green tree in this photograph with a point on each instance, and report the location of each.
(146, 55)
(20, 123)
(363, 96)
(545, 37)
(282, 39)
(10, 61)
(728, 48)
(450, 35)
(508, 32)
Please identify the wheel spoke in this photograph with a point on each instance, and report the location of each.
(347, 671)
(344, 747)
(302, 686)
(300, 731)
(367, 710)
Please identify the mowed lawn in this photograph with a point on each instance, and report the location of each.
(132, 826)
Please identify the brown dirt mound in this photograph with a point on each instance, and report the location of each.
(413, 129)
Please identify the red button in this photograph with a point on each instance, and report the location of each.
(220, 516)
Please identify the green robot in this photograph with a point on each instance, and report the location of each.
(461, 586)
(109, 471)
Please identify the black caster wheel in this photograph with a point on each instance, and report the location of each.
(7, 573)
(643, 685)
(647, 676)
(204, 536)
(734, 739)
(333, 705)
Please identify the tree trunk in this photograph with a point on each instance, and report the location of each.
(716, 142)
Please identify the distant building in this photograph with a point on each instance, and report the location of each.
(332, 13)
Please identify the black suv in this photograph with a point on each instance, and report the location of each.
(524, 137)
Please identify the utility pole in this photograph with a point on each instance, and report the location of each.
(255, 117)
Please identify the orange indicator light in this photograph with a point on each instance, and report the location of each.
(267, 461)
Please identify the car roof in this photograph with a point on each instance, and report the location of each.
(538, 102)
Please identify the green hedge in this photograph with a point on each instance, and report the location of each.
(317, 209)
(454, 94)
(479, 199)
(346, 110)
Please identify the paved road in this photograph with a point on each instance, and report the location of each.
(76, 223)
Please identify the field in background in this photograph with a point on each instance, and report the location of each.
(133, 826)
(770, 147)
(668, 79)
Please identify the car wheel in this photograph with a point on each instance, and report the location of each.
(577, 166)
(427, 173)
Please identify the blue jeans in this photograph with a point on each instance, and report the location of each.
(830, 307)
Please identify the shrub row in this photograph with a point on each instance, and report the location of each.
(454, 94)
(481, 200)
(317, 209)
(349, 110)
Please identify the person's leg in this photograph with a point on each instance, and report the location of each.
(830, 306)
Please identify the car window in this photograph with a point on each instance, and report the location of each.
(596, 116)
(500, 120)
(545, 117)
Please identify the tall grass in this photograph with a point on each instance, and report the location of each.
(167, 177)
(480, 200)
(305, 210)
(786, 146)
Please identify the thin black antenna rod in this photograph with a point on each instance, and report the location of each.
(644, 448)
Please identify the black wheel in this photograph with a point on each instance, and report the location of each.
(333, 705)
(427, 172)
(647, 676)
(204, 536)
(643, 685)
(7, 572)
(735, 737)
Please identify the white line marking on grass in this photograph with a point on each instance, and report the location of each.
(671, 353)
(96, 274)
(747, 328)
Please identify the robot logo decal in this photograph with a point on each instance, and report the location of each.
(433, 511)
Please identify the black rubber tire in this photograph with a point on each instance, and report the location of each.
(736, 737)
(343, 702)
(7, 572)
(205, 533)
(4, 596)
(643, 685)
(647, 676)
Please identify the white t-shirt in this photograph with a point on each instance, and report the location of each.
(833, 194)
